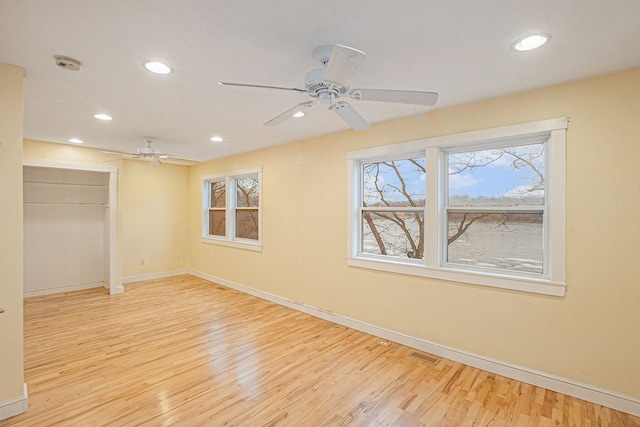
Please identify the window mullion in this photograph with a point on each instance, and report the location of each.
(432, 205)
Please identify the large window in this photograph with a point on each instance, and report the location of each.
(231, 209)
(484, 207)
(494, 208)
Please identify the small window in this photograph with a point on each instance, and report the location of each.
(217, 208)
(247, 207)
(232, 214)
(392, 208)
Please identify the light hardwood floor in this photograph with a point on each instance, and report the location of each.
(183, 351)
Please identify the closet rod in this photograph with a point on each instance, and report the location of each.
(74, 184)
(82, 205)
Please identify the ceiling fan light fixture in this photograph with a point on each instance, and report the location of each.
(102, 116)
(531, 42)
(331, 82)
(158, 67)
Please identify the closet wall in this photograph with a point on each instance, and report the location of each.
(65, 229)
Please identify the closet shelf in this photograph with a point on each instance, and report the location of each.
(84, 205)
(69, 184)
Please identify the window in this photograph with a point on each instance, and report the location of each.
(392, 211)
(231, 209)
(494, 208)
(484, 207)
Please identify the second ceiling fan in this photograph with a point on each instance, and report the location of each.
(330, 83)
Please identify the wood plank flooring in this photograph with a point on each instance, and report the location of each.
(183, 351)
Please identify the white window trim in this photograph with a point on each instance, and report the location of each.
(551, 284)
(229, 240)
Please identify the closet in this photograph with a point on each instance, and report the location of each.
(69, 229)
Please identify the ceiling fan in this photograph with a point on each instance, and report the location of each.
(150, 154)
(329, 84)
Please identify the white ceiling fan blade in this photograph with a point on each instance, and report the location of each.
(171, 159)
(397, 96)
(261, 86)
(343, 62)
(303, 107)
(350, 115)
(116, 152)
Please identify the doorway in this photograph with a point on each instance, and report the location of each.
(70, 223)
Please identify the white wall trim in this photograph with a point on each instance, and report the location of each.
(115, 290)
(69, 165)
(15, 406)
(68, 288)
(151, 276)
(552, 382)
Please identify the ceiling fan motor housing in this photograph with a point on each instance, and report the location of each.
(147, 151)
(318, 88)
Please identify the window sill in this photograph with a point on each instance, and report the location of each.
(524, 284)
(238, 244)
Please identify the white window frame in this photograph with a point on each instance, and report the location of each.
(551, 282)
(230, 209)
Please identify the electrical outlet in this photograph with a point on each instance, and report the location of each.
(141, 261)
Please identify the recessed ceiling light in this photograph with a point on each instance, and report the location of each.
(217, 139)
(76, 140)
(531, 42)
(157, 67)
(103, 116)
(299, 114)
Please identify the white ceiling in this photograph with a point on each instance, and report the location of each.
(460, 49)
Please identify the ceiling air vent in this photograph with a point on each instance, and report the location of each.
(67, 63)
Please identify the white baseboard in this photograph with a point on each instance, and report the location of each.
(160, 275)
(59, 289)
(597, 395)
(15, 406)
(116, 290)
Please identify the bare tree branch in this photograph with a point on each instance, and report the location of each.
(464, 225)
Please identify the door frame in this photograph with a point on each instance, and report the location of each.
(112, 280)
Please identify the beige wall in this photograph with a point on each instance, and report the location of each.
(41, 150)
(11, 225)
(589, 336)
(154, 221)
